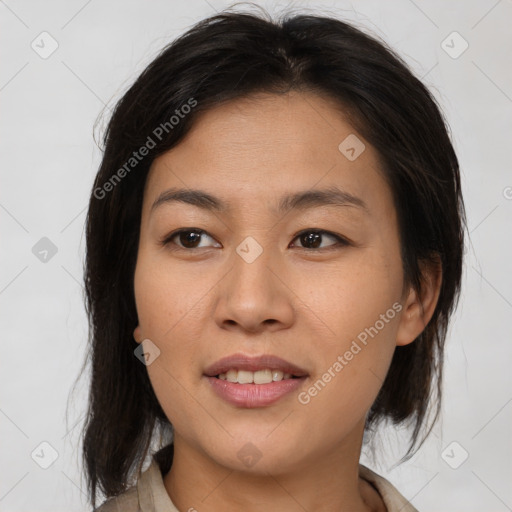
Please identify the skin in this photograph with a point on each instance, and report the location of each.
(298, 302)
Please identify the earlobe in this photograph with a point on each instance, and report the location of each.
(137, 334)
(418, 309)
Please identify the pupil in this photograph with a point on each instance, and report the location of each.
(190, 237)
(312, 238)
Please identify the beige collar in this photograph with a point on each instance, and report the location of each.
(153, 496)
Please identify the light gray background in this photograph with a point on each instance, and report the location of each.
(49, 159)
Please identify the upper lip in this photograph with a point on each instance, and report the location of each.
(253, 364)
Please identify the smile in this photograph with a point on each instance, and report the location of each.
(251, 395)
(265, 376)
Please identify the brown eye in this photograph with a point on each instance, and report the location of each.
(186, 238)
(313, 239)
(191, 238)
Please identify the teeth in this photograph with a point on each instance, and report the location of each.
(260, 377)
(245, 377)
(278, 375)
(231, 375)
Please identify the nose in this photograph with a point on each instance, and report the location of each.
(254, 296)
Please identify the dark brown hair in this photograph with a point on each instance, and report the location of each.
(232, 55)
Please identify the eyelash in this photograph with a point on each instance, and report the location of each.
(341, 241)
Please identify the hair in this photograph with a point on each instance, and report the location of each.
(234, 55)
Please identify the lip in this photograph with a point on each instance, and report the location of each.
(254, 395)
(253, 364)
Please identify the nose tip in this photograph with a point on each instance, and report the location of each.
(252, 297)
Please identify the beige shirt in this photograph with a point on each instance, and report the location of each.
(150, 495)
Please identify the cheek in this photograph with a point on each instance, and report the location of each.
(166, 297)
(359, 310)
(351, 371)
(168, 307)
(350, 296)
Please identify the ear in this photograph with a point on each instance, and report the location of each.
(137, 334)
(419, 308)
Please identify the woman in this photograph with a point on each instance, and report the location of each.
(274, 251)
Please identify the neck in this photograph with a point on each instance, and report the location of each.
(328, 482)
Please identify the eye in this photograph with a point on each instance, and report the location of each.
(187, 238)
(313, 238)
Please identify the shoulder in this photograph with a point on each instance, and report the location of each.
(393, 500)
(128, 501)
(147, 495)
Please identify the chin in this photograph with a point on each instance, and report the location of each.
(258, 455)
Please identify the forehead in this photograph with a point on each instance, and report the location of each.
(253, 150)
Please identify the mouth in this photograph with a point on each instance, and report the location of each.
(246, 369)
(264, 376)
(248, 382)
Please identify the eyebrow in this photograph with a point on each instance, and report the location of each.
(306, 199)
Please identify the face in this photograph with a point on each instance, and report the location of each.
(317, 283)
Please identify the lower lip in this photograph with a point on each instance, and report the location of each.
(254, 395)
